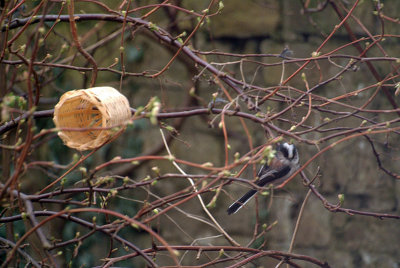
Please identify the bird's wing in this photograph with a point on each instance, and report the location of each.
(266, 176)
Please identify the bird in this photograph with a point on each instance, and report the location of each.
(281, 167)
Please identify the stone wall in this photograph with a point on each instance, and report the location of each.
(350, 168)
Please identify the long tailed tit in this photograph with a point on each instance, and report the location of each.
(282, 166)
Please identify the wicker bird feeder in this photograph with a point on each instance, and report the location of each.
(90, 114)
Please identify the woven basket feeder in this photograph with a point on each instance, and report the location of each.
(97, 107)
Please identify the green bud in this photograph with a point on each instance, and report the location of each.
(113, 192)
(265, 193)
(117, 158)
(397, 87)
(75, 158)
(220, 6)
(153, 27)
(207, 164)
(24, 215)
(237, 156)
(315, 54)
(156, 170)
(341, 198)
(212, 203)
(264, 226)
(221, 253)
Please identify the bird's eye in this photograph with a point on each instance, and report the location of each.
(285, 152)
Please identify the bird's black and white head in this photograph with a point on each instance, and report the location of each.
(287, 153)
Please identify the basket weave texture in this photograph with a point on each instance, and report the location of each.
(84, 111)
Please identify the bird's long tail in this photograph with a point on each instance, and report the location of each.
(241, 202)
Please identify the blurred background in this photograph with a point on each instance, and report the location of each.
(279, 56)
